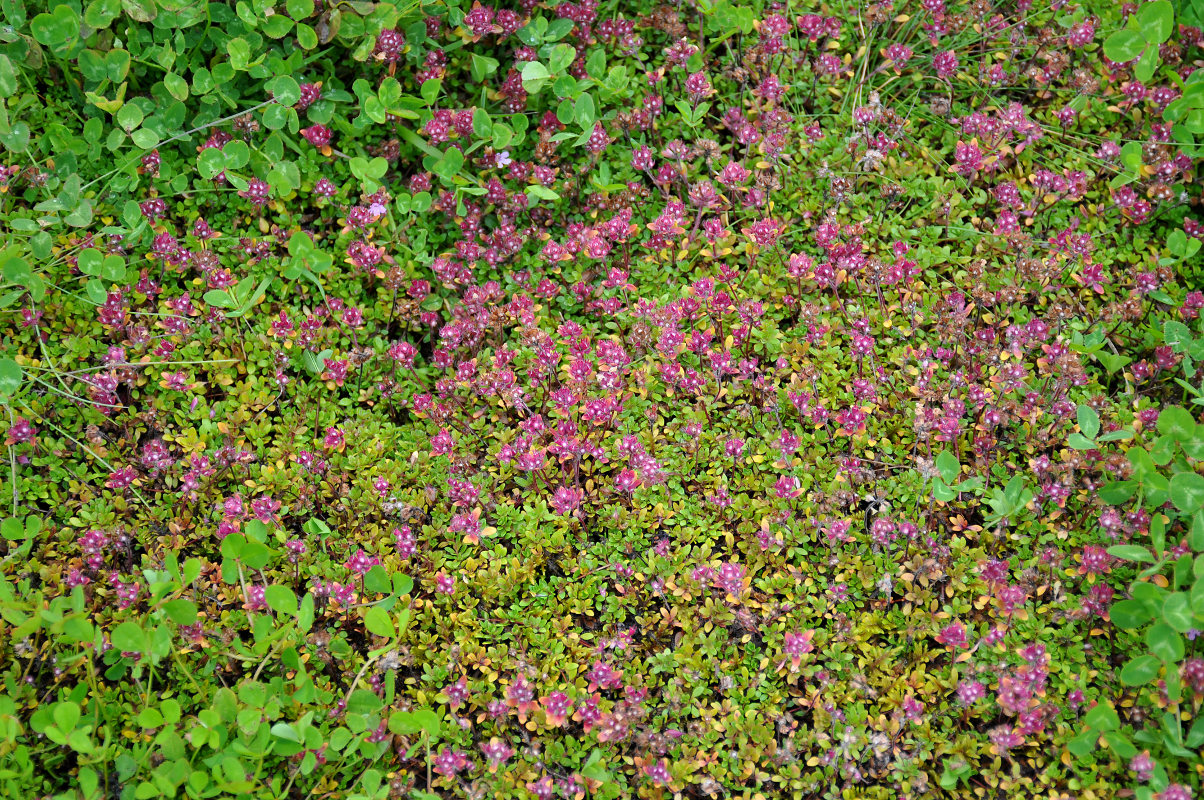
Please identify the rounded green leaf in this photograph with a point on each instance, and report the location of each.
(1124, 46)
(1165, 642)
(1187, 491)
(220, 298)
(100, 13)
(210, 163)
(176, 86)
(89, 261)
(377, 621)
(1177, 613)
(236, 154)
(1156, 21)
(1177, 423)
(1118, 492)
(181, 611)
(428, 720)
(129, 117)
(277, 26)
(113, 268)
(145, 138)
(1147, 65)
(96, 291)
(11, 376)
(285, 90)
(1088, 421)
(129, 637)
(57, 27)
(66, 714)
(1140, 670)
(281, 598)
(1129, 614)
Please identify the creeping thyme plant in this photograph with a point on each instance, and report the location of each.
(601, 399)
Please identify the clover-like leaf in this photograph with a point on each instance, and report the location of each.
(11, 376)
(1156, 21)
(1124, 46)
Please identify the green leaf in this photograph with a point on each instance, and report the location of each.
(299, 9)
(100, 13)
(181, 611)
(285, 90)
(1156, 21)
(1187, 491)
(559, 59)
(430, 90)
(129, 637)
(96, 291)
(1088, 421)
(402, 584)
(66, 715)
(1080, 442)
(1177, 613)
(535, 75)
(1120, 745)
(176, 86)
(210, 163)
(1124, 45)
(56, 28)
(282, 730)
(377, 621)
(1129, 614)
(141, 10)
(239, 52)
(1165, 642)
(595, 64)
(11, 376)
(1102, 718)
(16, 139)
(1177, 423)
(1141, 670)
(585, 112)
(1147, 65)
(449, 165)
(89, 261)
(1118, 492)
(282, 599)
(537, 192)
(129, 117)
(8, 77)
(482, 67)
(377, 580)
(256, 555)
(220, 298)
(277, 26)
(1084, 743)
(307, 37)
(947, 464)
(407, 723)
(1131, 552)
(236, 154)
(145, 139)
(482, 125)
(558, 29)
(113, 268)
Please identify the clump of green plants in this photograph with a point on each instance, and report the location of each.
(594, 399)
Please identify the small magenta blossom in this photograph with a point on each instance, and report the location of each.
(954, 636)
(360, 562)
(317, 135)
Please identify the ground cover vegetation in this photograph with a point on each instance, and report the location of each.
(698, 399)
